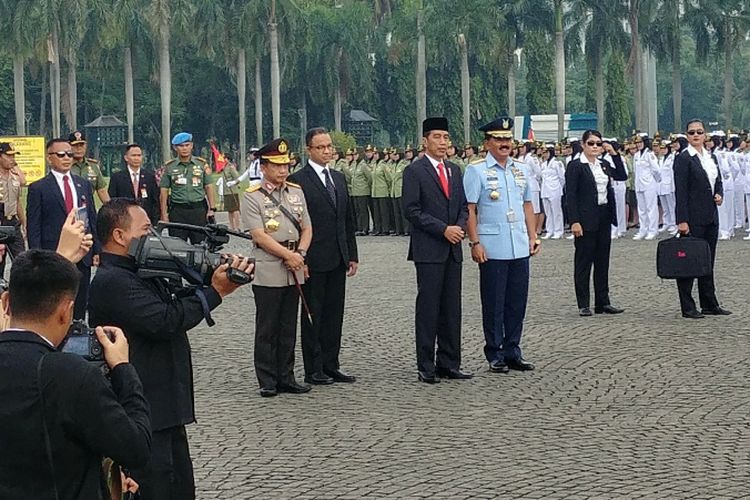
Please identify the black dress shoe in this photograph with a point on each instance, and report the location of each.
(318, 378)
(694, 314)
(608, 309)
(716, 311)
(454, 373)
(499, 367)
(520, 365)
(428, 378)
(294, 388)
(339, 376)
(268, 392)
(359, 233)
(584, 311)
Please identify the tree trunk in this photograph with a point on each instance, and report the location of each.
(512, 82)
(72, 79)
(127, 61)
(728, 84)
(599, 88)
(635, 63)
(421, 75)
(165, 88)
(560, 69)
(303, 125)
(54, 80)
(650, 100)
(337, 93)
(465, 87)
(19, 94)
(273, 37)
(43, 106)
(677, 86)
(241, 106)
(258, 104)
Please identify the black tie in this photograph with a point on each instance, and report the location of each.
(329, 186)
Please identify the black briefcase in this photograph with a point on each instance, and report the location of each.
(683, 257)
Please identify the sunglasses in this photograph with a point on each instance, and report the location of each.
(695, 132)
(594, 143)
(63, 154)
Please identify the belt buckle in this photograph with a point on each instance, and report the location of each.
(291, 245)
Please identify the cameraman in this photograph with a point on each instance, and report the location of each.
(155, 317)
(59, 414)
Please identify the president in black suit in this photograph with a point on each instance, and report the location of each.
(698, 191)
(434, 203)
(331, 258)
(50, 200)
(60, 415)
(590, 200)
(136, 183)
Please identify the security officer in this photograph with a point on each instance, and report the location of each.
(88, 168)
(502, 236)
(275, 213)
(187, 185)
(10, 204)
(361, 190)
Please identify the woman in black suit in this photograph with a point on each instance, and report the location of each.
(590, 203)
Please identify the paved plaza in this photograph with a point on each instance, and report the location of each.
(641, 405)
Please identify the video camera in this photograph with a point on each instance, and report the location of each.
(6, 233)
(81, 340)
(173, 258)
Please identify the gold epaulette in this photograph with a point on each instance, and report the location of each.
(201, 159)
(293, 185)
(92, 160)
(253, 188)
(170, 162)
(476, 161)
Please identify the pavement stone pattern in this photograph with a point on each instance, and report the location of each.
(644, 404)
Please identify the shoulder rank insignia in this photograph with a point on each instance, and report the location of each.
(171, 162)
(92, 160)
(293, 185)
(253, 188)
(476, 161)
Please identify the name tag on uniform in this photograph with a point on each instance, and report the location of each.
(182, 181)
(144, 193)
(511, 214)
(196, 181)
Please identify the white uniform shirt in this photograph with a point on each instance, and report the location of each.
(553, 178)
(600, 178)
(646, 169)
(712, 171)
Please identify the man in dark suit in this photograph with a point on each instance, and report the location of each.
(331, 258)
(435, 204)
(136, 183)
(50, 200)
(60, 415)
(698, 191)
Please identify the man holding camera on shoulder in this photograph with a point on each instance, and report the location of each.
(60, 415)
(155, 317)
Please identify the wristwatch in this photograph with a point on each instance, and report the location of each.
(302, 252)
(472, 244)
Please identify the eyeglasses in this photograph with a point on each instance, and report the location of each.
(63, 154)
(695, 132)
(594, 143)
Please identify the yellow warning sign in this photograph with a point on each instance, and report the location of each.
(30, 157)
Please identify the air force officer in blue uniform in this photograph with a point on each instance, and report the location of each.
(502, 237)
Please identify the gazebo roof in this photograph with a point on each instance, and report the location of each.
(358, 115)
(106, 121)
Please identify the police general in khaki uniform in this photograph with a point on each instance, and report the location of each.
(87, 168)
(10, 203)
(187, 185)
(275, 213)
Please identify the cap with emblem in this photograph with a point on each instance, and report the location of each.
(420, 148)
(468, 145)
(276, 152)
(77, 137)
(368, 149)
(182, 138)
(500, 128)
(6, 148)
(434, 123)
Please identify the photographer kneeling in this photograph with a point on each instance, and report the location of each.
(59, 414)
(155, 317)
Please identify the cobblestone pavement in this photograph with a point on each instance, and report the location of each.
(641, 405)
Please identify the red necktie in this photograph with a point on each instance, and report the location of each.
(135, 184)
(443, 179)
(68, 194)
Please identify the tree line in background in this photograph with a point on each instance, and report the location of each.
(208, 65)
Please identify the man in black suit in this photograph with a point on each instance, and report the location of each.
(136, 183)
(50, 200)
(435, 204)
(698, 191)
(60, 415)
(331, 258)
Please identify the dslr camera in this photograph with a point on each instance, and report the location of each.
(82, 341)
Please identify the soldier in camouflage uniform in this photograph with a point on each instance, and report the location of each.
(87, 168)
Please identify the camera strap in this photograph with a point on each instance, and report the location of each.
(283, 210)
(47, 443)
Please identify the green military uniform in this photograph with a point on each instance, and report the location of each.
(10, 195)
(381, 198)
(231, 190)
(361, 192)
(187, 182)
(400, 224)
(88, 168)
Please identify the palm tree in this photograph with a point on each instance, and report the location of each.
(559, 67)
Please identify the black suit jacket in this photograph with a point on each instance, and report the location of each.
(333, 240)
(581, 195)
(120, 186)
(430, 212)
(694, 198)
(45, 211)
(86, 417)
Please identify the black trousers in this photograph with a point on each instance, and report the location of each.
(593, 249)
(82, 299)
(362, 211)
(385, 213)
(190, 213)
(438, 315)
(321, 339)
(275, 334)
(400, 224)
(706, 287)
(169, 473)
(14, 246)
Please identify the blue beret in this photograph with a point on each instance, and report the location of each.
(182, 137)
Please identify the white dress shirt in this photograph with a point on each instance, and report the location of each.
(708, 164)
(321, 171)
(600, 177)
(61, 184)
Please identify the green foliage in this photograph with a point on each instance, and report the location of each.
(540, 73)
(343, 141)
(617, 112)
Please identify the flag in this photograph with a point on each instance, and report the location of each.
(219, 161)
